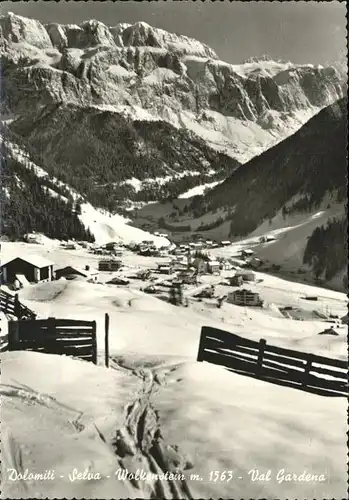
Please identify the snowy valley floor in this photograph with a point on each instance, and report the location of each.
(156, 409)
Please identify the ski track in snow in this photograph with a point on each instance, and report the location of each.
(139, 442)
(33, 397)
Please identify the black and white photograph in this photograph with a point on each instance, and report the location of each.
(173, 250)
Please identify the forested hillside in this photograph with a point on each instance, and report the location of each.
(327, 249)
(98, 152)
(27, 205)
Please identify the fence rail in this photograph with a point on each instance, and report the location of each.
(10, 304)
(277, 365)
(4, 343)
(55, 336)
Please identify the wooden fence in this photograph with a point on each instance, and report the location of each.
(10, 304)
(55, 336)
(277, 365)
(4, 343)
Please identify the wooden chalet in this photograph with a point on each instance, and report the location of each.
(31, 269)
(247, 275)
(246, 253)
(236, 280)
(213, 266)
(244, 298)
(70, 271)
(109, 264)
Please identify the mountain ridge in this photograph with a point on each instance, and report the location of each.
(237, 109)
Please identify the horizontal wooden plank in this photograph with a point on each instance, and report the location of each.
(230, 338)
(60, 350)
(54, 345)
(302, 355)
(284, 358)
(213, 344)
(314, 381)
(76, 351)
(222, 335)
(233, 362)
(251, 356)
(47, 331)
(231, 355)
(46, 323)
(229, 361)
(314, 390)
(340, 374)
(75, 331)
(283, 367)
(37, 328)
(242, 366)
(210, 342)
(33, 334)
(326, 391)
(72, 322)
(54, 340)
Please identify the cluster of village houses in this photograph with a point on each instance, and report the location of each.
(183, 267)
(184, 264)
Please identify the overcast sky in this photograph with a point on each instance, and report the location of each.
(302, 32)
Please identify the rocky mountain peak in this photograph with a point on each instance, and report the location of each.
(143, 71)
(18, 29)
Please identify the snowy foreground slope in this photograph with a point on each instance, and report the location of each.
(208, 418)
(157, 409)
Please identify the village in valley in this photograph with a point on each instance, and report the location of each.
(199, 274)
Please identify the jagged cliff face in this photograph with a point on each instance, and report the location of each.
(148, 73)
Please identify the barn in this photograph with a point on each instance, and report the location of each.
(33, 269)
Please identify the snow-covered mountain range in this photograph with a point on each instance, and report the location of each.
(147, 73)
(135, 112)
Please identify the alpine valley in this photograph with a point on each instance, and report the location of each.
(131, 114)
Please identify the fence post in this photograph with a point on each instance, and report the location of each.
(13, 335)
(202, 344)
(94, 342)
(50, 343)
(106, 344)
(262, 344)
(17, 307)
(307, 371)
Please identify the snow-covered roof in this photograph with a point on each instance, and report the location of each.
(35, 260)
(80, 270)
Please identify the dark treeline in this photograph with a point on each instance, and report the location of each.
(327, 249)
(27, 206)
(95, 152)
